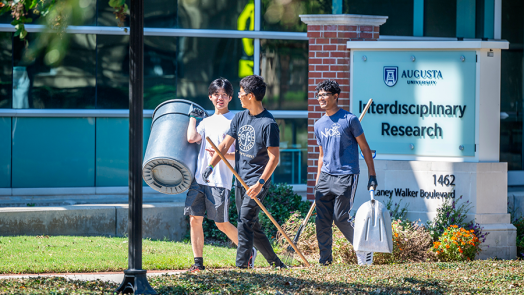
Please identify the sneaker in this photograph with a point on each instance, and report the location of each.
(364, 258)
(325, 263)
(251, 262)
(196, 268)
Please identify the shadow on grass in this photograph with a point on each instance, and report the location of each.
(278, 282)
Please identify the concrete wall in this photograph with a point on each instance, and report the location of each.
(160, 220)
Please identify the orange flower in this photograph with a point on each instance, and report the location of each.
(447, 246)
(460, 250)
(463, 243)
(455, 226)
(396, 235)
(453, 238)
(438, 252)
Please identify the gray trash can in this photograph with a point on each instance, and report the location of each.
(170, 161)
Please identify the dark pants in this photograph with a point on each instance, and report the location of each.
(334, 195)
(249, 230)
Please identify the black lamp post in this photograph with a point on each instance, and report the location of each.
(135, 279)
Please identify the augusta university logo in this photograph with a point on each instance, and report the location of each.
(246, 138)
(390, 76)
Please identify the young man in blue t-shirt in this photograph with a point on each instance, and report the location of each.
(338, 133)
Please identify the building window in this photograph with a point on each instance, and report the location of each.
(512, 85)
(440, 18)
(70, 85)
(399, 13)
(284, 65)
(6, 69)
(292, 168)
(202, 60)
(113, 71)
(283, 16)
(218, 15)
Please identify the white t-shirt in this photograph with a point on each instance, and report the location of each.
(216, 127)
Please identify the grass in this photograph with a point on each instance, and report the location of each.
(477, 277)
(45, 254)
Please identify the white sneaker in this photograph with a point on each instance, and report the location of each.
(251, 263)
(364, 258)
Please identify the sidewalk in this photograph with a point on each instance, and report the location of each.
(116, 277)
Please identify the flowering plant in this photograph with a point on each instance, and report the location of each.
(457, 244)
(454, 213)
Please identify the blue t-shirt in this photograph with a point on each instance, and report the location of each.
(336, 135)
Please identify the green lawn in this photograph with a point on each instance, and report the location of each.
(477, 277)
(29, 254)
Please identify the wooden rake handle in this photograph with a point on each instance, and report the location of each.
(258, 202)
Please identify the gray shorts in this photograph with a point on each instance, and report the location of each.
(213, 200)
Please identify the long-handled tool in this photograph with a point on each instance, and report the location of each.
(290, 250)
(258, 202)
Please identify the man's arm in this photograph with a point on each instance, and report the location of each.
(320, 161)
(274, 156)
(366, 152)
(192, 134)
(223, 147)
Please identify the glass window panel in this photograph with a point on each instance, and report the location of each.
(70, 85)
(440, 18)
(399, 12)
(113, 71)
(217, 14)
(284, 65)
(512, 85)
(157, 14)
(6, 69)
(292, 167)
(202, 60)
(278, 15)
(87, 13)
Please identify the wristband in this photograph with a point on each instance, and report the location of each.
(211, 166)
(196, 118)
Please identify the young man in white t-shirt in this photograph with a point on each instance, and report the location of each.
(211, 196)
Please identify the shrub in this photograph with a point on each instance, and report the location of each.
(453, 213)
(281, 202)
(411, 243)
(519, 224)
(396, 211)
(457, 244)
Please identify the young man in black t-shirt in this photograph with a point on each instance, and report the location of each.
(256, 157)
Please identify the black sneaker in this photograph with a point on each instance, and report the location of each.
(196, 268)
(325, 263)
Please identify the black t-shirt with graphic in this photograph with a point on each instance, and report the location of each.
(253, 135)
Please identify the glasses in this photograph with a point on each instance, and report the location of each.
(323, 95)
(242, 93)
(221, 95)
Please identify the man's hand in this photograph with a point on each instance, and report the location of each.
(207, 172)
(372, 181)
(197, 114)
(254, 190)
(211, 152)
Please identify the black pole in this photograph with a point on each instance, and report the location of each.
(135, 279)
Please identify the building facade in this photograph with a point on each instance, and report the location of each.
(64, 129)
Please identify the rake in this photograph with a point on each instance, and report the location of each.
(290, 251)
(258, 202)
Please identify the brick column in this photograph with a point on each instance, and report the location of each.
(329, 58)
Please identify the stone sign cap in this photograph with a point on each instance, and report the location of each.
(343, 19)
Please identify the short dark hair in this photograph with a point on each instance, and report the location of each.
(254, 84)
(220, 83)
(328, 86)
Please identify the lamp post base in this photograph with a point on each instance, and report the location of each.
(135, 282)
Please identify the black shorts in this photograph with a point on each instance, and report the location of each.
(213, 200)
